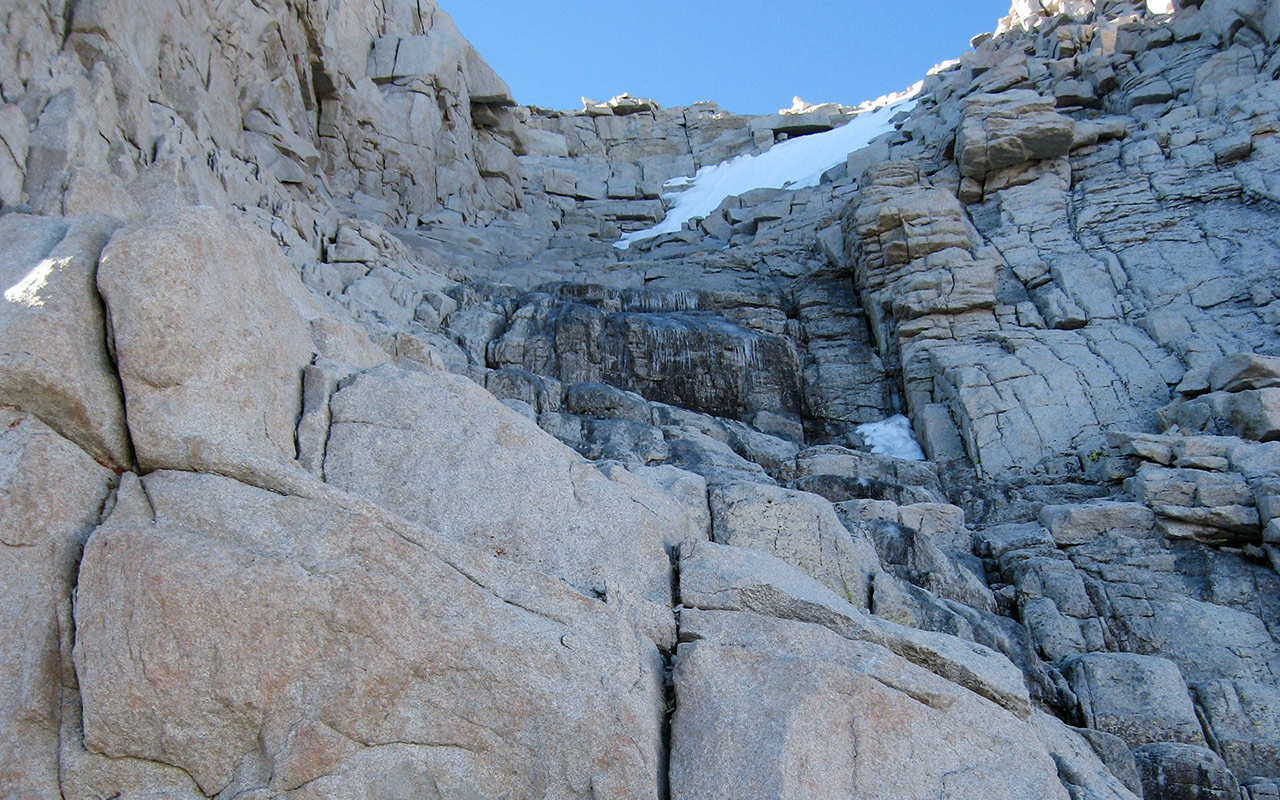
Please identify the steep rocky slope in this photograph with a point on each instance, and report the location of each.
(345, 451)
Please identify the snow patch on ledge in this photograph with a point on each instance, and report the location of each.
(892, 437)
(794, 164)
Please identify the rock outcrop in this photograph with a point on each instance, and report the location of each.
(363, 435)
(382, 642)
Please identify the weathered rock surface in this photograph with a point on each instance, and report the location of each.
(1010, 129)
(801, 529)
(810, 714)
(1245, 371)
(1141, 699)
(51, 497)
(1241, 717)
(439, 450)
(53, 357)
(397, 665)
(1081, 524)
(700, 358)
(210, 348)
(725, 578)
(1179, 771)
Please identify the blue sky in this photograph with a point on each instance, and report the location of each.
(751, 56)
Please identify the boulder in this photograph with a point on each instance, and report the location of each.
(1117, 756)
(1091, 764)
(771, 452)
(51, 496)
(209, 344)
(602, 401)
(441, 451)
(1010, 129)
(782, 709)
(915, 557)
(1227, 17)
(1206, 640)
(1261, 788)
(1243, 721)
(53, 348)
(263, 642)
(801, 529)
(1242, 371)
(905, 482)
(622, 440)
(512, 383)
(939, 520)
(1141, 699)
(1255, 414)
(1173, 771)
(1083, 523)
(1208, 506)
(716, 577)
(711, 458)
(437, 55)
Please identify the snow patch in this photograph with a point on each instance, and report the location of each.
(794, 164)
(892, 437)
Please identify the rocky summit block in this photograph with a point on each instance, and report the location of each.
(315, 647)
(209, 344)
(1009, 129)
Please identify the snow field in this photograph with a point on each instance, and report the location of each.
(794, 164)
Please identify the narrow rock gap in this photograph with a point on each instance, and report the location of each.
(108, 505)
(68, 15)
(109, 344)
(668, 681)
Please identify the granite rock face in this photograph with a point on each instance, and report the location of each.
(346, 451)
(438, 449)
(52, 494)
(209, 348)
(189, 571)
(55, 359)
(1011, 129)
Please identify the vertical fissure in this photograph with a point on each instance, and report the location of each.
(670, 698)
